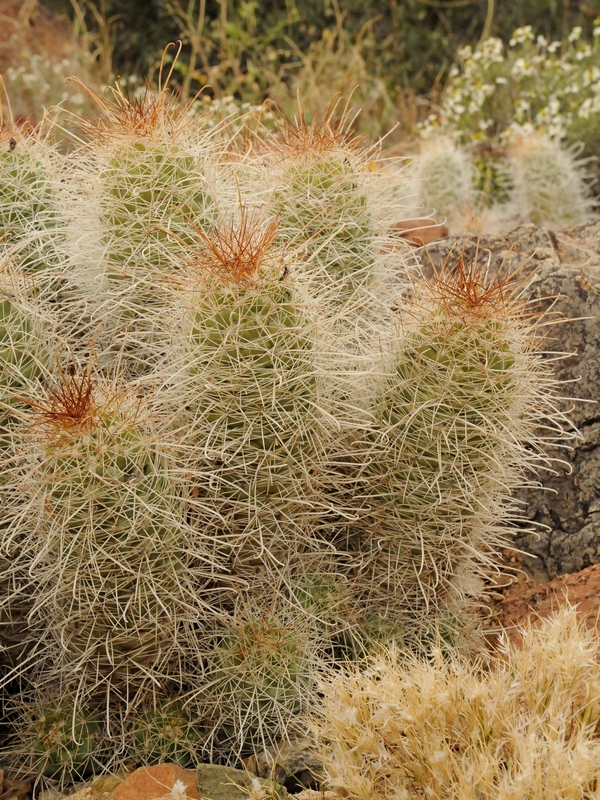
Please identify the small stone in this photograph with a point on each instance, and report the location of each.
(16, 789)
(227, 783)
(420, 231)
(104, 786)
(293, 764)
(148, 783)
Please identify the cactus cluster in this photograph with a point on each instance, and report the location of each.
(530, 178)
(233, 450)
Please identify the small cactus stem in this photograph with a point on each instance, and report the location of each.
(549, 186)
(334, 205)
(463, 415)
(58, 739)
(259, 678)
(444, 175)
(165, 730)
(245, 392)
(26, 345)
(118, 572)
(31, 228)
(152, 170)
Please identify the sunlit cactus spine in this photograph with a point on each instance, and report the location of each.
(464, 410)
(549, 187)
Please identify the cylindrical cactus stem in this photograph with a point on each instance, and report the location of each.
(462, 413)
(29, 204)
(259, 677)
(149, 163)
(549, 186)
(444, 175)
(25, 358)
(118, 572)
(329, 200)
(245, 384)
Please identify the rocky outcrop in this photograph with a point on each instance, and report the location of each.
(563, 271)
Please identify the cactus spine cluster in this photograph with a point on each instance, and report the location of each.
(237, 452)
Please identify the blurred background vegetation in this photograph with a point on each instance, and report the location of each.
(398, 52)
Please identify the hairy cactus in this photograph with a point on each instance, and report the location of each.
(259, 673)
(445, 180)
(148, 161)
(245, 387)
(458, 425)
(272, 461)
(325, 188)
(548, 184)
(117, 572)
(29, 216)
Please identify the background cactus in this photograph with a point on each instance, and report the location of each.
(548, 183)
(530, 178)
(445, 179)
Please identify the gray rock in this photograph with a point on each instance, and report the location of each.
(215, 782)
(566, 265)
(293, 765)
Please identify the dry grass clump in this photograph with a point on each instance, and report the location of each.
(523, 725)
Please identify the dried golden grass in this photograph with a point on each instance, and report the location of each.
(522, 726)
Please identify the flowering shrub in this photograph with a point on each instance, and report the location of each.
(495, 91)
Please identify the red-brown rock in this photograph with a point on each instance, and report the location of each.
(580, 588)
(420, 231)
(149, 783)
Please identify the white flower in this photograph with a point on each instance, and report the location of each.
(584, 52)
(521, 35)
(542, 41)
(575, 33)
(596, 30)
(585, 109)
(501, 81)
(553, 47)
